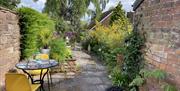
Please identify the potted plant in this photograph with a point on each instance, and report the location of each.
(45, 37)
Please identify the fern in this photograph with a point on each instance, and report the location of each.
(168, 87)
(145, 73)
(138, 81)
(158, 74)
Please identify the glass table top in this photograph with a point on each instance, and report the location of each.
(36, 64)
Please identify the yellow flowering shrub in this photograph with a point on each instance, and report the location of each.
(112, 36)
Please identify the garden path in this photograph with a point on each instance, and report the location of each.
(92, 77)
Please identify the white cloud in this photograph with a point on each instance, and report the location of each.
(127, 4)
(39, 5)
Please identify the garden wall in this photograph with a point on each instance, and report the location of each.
(160, 20)
(9, 42)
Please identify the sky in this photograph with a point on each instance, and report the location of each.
(39, 5)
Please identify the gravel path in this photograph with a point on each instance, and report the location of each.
(93, 76)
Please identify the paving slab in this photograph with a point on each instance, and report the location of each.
(93, 76)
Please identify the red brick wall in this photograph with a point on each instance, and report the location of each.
(160, 20)
(9, 42)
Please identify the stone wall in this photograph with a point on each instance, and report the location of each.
(160, 21)
(9, 42)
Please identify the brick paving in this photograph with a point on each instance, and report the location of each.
(92, 77)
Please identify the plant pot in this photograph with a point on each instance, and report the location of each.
(45, 51)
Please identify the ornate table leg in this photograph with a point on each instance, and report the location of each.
(32, 81)
(41, 80)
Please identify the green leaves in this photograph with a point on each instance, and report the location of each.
(45, 37)
(138, 81)
(118, 78)
(11, 4)
(133, 57)
(168, 87)
(32, 23)
(118, 13)
(59, 51)
(158, 74)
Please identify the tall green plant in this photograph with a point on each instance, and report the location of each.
(45, 37)
(59, 51)
(31, 23)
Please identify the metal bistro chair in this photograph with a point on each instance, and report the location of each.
(19, 82)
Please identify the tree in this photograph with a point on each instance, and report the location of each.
(11, 4)
(70, 12)
(118, 13)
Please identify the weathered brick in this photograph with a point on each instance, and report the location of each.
(170, 69)
(172, 57)
(162, 66)
(177, 3)
(168, 4)
(9, 42)
(178, 51)
(161, 22)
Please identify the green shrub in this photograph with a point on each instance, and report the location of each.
(59, 51)
(108, 42)
(133, 55)
(31, 23)
(144, 74)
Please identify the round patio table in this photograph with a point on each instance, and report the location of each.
(25, 66)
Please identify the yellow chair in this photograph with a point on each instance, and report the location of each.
(38, 72)
(19, 82)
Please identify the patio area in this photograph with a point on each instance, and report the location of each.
(89, 45)
(92, 76)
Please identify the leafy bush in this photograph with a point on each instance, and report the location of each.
(118, 78)
(111, 36)
(168, 87)
(157, 74)
(133, 55)
(31, 23)
(108, 42)
(59, 51)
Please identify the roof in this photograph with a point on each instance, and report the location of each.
(136, 4)
(103, 17)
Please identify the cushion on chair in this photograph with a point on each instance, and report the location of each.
(37, 72)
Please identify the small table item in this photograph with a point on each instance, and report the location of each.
(36, 65)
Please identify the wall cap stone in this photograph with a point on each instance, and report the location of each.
(5, 9)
